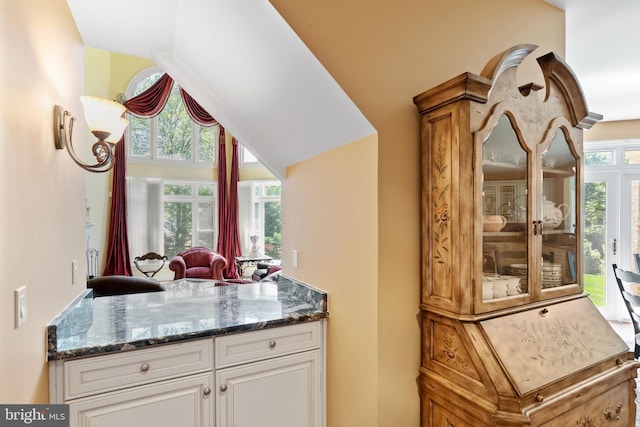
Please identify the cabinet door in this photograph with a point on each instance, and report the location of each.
(184, 402)
(507, 165)
(281, 392)
(559, 209)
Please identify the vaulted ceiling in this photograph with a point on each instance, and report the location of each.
(242, 62)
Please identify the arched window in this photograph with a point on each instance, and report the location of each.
(169, 209)
(171, 136)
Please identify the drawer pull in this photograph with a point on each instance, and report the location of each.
(619, 362)
(611, 416)
(272, 344)
(544, 312)
(207, 391)
(539, 398)
(144, 367)
(223, 387)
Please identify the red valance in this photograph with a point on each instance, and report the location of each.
(150, 102)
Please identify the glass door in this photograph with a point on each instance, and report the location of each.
(558, 211)
(601, 240)
(505, 213)
(630, 220)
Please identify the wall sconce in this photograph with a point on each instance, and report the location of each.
(106, 123)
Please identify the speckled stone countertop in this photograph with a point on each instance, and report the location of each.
(185, 310)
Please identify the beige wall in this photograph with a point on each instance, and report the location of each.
(613, 131)
(382, 54)
(330, 216)
(42, 190)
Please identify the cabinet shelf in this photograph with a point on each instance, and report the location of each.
(550, 172)
(502, 233)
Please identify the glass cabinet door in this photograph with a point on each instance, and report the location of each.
(558, 210)
(505, 214)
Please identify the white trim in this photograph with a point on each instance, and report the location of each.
(139, 78)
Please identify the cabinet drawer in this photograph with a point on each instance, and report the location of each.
(249, 347)
(614, 407)
(105, 373)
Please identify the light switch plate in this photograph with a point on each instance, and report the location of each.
(74, 272)
(20, 296)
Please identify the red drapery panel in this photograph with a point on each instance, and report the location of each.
(225, 246)
(196, 112)
(233, 227)
(118, 260)
(150, 102)
(147, 104)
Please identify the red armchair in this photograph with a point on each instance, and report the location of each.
(199, 263)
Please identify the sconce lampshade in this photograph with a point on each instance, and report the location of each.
(103, 115)
(106, 123)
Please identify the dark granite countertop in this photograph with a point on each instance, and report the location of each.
(185, 310)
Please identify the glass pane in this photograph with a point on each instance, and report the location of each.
(595, 214)
(272, 236)
(206, 143)
(146, 83)
(174, 129)
(140, 136)
(177, 227)
(632, 157)
(603, 158)
(504, 165)
(205, 238)
(177, 189)
(248, 157)
(635, 225)
(205, 216)
(205, 190)
(559, 213)
(272, 190)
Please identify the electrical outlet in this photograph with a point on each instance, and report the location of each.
(294, 259)
(20, 297)
(74, 272)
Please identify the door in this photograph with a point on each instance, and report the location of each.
(601, 240)
(630, 220)
(281, 392)
(184, 402)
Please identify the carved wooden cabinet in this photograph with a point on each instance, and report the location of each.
(508, 336)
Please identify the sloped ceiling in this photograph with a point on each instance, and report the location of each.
(603, 50)
(242, 62)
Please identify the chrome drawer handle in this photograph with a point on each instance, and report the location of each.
(610, 416)
(223, 387)
(144, 367)
(207, 391)
(272, 344)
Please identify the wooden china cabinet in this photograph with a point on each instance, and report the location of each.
(509, 338)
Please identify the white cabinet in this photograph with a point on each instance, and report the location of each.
(184, 402)
(272, 377)
(282, 392)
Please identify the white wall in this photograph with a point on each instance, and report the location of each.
(42, 190)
